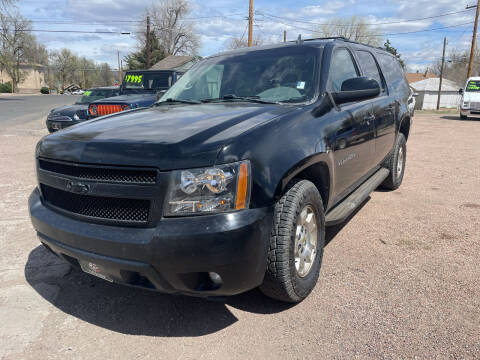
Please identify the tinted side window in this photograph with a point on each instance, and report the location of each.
(369, 67)
(342, 68)
(393, 73)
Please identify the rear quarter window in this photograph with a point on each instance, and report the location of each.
(393, 73)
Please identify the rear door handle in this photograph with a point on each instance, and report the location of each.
(369, 118)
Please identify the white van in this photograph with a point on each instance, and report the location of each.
(470, 102)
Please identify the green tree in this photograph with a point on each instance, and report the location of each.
(138, 60)
(388, 46)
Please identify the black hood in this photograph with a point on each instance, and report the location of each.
(70, 110)
(167, 137)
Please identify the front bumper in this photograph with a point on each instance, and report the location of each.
(176, 256)
(53, 125)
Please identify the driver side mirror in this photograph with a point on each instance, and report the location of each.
(460, 91)
(357, 89)
(160, 94)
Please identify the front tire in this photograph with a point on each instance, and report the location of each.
(296, 244)
(396, 164)
(463, 117)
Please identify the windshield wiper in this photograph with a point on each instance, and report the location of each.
(178, 101)
(232, 97)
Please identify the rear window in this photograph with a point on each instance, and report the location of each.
(473, 86)
(369, 67)
(393, 72)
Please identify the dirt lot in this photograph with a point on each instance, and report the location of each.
(400, 279)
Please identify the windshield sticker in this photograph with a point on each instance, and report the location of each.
(301, 85)
(134, 79)
(473, 85)
(87, 93)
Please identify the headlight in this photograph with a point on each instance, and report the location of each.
(76, 117)
(93, 110)
(209, 190)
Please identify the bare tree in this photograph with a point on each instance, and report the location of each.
(14, 43)
(64, 64)
(175, 34)
(237, 43)
(352, 28)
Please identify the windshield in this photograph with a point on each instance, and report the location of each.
(277, 75)
(147, 80)
(473, 85)
(90, 96)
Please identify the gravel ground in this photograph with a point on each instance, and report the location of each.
(400, 279)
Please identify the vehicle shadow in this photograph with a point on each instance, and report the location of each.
(332, 231)
(457, 118)
(135, 311)
(142, 312)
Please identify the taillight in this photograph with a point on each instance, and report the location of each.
(93, 110)
(125, 107)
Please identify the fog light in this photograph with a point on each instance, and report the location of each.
(216, 279)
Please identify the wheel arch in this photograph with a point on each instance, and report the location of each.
(315, 169)
(404, 126)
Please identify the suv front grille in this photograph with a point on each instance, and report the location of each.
(100, 174)
(98, 207)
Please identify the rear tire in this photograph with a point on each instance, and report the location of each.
(299, 222)
(396, 164)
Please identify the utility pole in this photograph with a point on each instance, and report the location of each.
(148, 44)
(441, 73)
(120, 70)
(474, 39)
(250, 24)
(284, 36)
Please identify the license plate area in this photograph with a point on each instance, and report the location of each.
(95, 270)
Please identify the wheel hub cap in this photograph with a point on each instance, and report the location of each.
(305, 241)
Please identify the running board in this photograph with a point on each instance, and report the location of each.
(340, 212)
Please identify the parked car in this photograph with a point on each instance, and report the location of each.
(65, 116)
(78, 92)
(139, 89)
(470, 102)
(228, 182)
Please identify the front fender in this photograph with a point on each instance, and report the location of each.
(278, 151)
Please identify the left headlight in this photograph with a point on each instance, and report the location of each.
(218, 189)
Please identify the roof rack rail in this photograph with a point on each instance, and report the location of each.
(342, 38)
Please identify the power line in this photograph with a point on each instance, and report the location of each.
(372, 24)
(110, 22)
(72, 31)
(381, 35)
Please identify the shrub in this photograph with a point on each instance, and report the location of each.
(6, 88)
(45, 90)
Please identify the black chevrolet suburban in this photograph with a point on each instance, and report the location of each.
(228, 182)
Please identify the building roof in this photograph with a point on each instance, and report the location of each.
(431, 84)
(172, 62)
(418, 76)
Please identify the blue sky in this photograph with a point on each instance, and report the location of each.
(218, 20)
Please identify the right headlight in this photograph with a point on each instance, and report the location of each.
(221, 188)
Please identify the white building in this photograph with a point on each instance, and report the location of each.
(427, 91)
